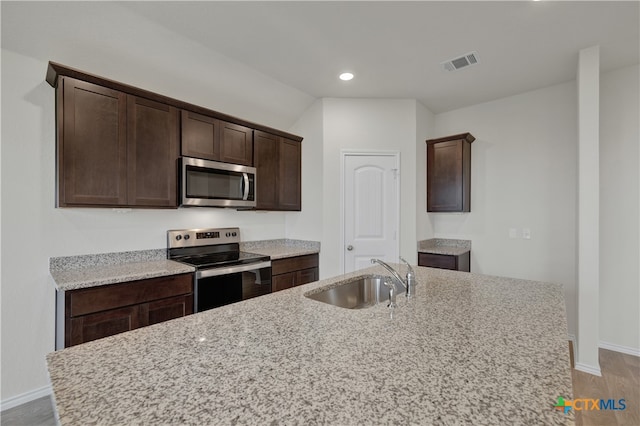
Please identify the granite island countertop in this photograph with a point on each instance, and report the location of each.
(468, 349)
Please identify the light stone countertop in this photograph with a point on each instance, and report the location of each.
(281, 248)
(92, 270)
(94, 276)
(449, 247)
(84, 271)
(468, 349)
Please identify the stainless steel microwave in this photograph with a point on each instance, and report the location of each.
(213, 184)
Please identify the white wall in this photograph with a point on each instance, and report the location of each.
(523, 175)
(110, 40)
(376, 124)
(424, 131)
(105, 39)
(308, 224)
(619, 212)
(588, 79)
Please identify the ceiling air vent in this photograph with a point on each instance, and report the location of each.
(461, 62)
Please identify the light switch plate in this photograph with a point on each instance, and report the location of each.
(526, 233)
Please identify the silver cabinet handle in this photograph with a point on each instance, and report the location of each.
(349, 247)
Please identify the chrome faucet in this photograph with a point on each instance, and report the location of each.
(410, 279)
(408, 283)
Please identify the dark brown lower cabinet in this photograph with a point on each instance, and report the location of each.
(98, 312)
(446, 261)
(165, 309)
(102, 324)
(293, 271)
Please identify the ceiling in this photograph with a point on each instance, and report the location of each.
(395, 48)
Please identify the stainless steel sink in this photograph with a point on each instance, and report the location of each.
(357, 293)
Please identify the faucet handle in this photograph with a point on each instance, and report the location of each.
(410, 269)
(410, 279)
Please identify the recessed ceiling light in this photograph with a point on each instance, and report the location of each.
(346, 76)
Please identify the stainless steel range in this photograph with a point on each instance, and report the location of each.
(224, 274)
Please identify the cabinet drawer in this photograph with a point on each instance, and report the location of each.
(96, 299)
(437, 261)
(298, 263)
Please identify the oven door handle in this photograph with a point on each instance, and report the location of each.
(214, 272)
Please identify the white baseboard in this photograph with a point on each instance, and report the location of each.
(619, 348)
(14, 401)
(589, 369)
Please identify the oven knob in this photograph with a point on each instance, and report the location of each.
(228, 234)
(178, 237)
(233, 234)
(186, 236)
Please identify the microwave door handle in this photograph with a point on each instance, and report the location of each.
(245, 182)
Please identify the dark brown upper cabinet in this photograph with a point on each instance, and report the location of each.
(236, 144)
(289, 174)
(449, 173)
(114, 149)
(278, 164)
(266, 161)
(118, 145)
(200, 136)
(152, 153)
(207, 137)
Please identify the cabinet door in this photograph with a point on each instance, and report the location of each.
(152, 153)
(444, 182)
(266, 164)
(236, 144)
(283, 282)
(103, 324)
(166, 309)
(92, 148)
(289, 184)
(449, 173)
(200, 136)
(306, 276)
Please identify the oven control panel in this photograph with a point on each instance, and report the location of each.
(179, 238)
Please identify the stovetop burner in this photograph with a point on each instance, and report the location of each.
(209, 248)
(211, 260)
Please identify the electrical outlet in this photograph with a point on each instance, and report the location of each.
(513, 233)
(526, 233)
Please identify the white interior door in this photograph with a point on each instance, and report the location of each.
(371, 209)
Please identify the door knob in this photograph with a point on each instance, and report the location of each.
(349, 247)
